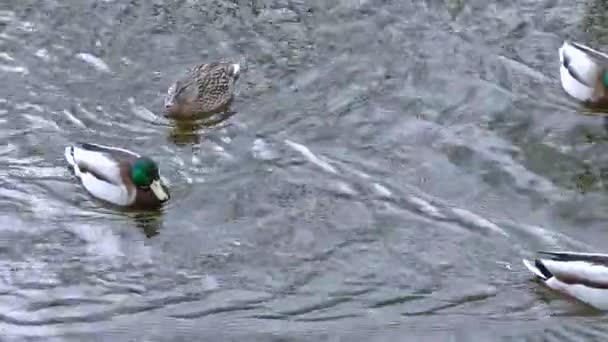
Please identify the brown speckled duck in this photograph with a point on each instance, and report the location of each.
(205, 88)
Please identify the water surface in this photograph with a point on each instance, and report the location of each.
(387, 166)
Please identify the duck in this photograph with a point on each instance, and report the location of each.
(118, 176)
(583, 276)
(584, 73)
(204, 88)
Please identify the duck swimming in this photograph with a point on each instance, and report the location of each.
(117, 176)
(583, 276)
(584, 73)
(205, 88)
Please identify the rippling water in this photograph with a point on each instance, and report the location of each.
(387, 166)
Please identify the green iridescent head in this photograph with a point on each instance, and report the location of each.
(144, 172)
(605, 78)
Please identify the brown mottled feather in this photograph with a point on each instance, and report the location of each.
(205, 88)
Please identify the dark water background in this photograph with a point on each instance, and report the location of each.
(388, 165)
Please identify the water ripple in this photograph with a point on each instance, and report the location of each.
(381, 173)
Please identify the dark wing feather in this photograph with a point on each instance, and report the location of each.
(118, 154)
(594, 258)
(600, 57)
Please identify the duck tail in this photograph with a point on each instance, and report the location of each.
(578, 71)
(242, 64)
(538, 269)
(69, 157)
(235, 69)
(565, 51)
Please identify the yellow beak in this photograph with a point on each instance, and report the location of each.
(158, 191)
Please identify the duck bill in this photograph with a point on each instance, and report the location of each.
(159, 191)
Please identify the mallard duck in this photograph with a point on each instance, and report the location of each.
(205, 88)
(583, 73)
(583, 276)
(117, 176)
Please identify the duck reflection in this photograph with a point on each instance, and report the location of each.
(186, 132)
(591, 171)
(149, 222)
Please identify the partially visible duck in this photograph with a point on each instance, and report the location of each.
(583, 276)
(584, 73)
(205, 88)
(118, 176)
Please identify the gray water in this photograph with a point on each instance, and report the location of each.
(387, 166)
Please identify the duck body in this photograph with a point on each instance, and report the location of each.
(205, 88)
(583, 276)
(584, 73)
(117, 176)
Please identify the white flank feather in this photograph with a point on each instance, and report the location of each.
(106, 191)
(97, 161)
(573, 87)
(114, 192)
(585, 67)
(582, 271)
(598, 298)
